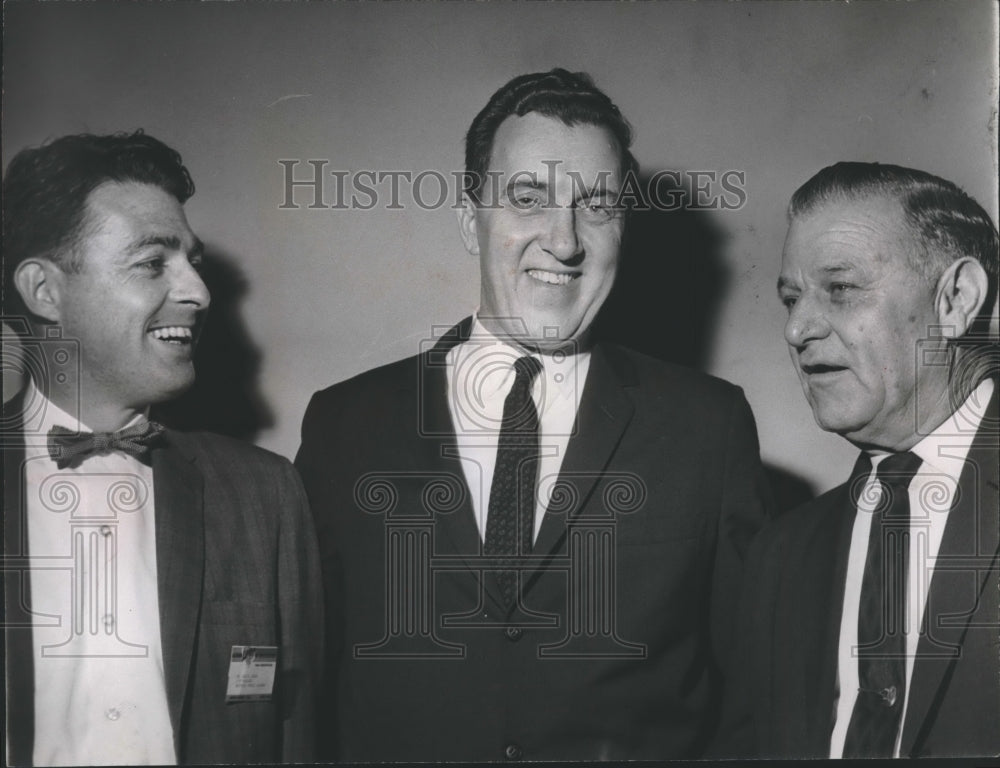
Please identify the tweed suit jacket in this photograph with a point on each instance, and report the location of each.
(627, 603)
(236, 565)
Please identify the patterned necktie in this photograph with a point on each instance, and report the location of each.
(69, 449)
(881, 650)
(510, 521)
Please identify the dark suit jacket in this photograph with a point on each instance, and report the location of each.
(618, 660)
(783, 704)
(236, 565)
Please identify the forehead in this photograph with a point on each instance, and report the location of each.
(533, 142)
(119, 212)
(864, 233)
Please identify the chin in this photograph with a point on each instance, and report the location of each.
(169, 390)
(832, 419)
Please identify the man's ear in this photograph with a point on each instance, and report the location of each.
(38, 284)
(467, 225)
(961, 291)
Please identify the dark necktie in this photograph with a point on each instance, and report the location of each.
(69, 449)
(510, 520)
(875, 720)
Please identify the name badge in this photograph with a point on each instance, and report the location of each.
(251, 672)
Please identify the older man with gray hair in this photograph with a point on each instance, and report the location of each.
(871, 616)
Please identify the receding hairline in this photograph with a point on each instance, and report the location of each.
(624, 166)
(926, 257)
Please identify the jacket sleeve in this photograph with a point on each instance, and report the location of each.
(746, 507)
(316, 461)
(301, 617)
(737, 736)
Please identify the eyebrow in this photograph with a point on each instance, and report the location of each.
(170, 242)
(526, 184)
(588, 193)
(832, 269)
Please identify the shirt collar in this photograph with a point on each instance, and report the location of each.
(41, 414)
(947, 447)
(489, 360)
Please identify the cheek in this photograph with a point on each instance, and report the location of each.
(603, 243)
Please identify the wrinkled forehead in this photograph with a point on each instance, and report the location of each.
(870, 230)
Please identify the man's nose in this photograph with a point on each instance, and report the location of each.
(188, 287)
(806, 322)
(562, 238)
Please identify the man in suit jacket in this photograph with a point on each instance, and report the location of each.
(587, 623)
(161, 596)
(890, 279)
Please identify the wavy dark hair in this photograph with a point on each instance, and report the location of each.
(45, 192)
(568, 96)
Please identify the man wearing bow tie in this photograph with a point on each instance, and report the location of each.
(871, 617)
(532, 541)
(141, 565)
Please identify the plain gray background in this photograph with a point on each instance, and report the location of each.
(310, 297)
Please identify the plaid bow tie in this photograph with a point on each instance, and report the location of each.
(69, 449)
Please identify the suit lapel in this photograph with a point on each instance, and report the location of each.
(180, 561)
(971, 535)
(432, 449)
(18, 661)
(435, 448)
(605, 411)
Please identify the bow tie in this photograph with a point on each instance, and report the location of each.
(69, 449)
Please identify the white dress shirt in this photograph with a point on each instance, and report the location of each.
(931, 494)
(480, 374)
(100, 696)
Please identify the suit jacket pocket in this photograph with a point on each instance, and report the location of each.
(225, 624)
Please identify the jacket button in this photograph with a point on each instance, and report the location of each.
(513, 752)
(513, 633)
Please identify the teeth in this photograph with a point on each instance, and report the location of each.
(172, 333)
(552, 278)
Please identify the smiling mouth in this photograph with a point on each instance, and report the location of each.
(174, 334)
(553, 278)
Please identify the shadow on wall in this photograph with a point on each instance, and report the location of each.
(673, 279)
(226, 396)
